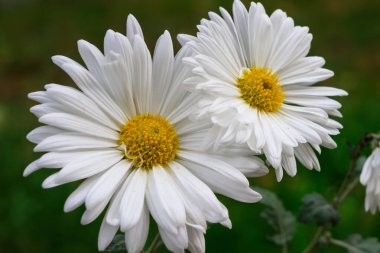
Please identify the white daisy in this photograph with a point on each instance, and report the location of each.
(126, 134)
(256, 85)
(370, 177)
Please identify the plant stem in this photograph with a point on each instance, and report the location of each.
(345, 245)
(156, 243)
(285, 248)
(346, 192)
(313, 244)
(363, 143)
(349, 183)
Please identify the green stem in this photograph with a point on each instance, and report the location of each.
(363, 143)
(345, 245)
(156, 243)
(285, 248)
(346, 192)
(348, 184)
(313, 244)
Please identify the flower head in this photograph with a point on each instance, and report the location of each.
(256, 83)
(127, 135)
(370, 177)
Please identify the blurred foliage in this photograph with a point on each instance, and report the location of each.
(346, 33)
(361, 245)
(282, 221)
(315, 209)
(117, 244)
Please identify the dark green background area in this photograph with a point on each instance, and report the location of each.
(346, 33)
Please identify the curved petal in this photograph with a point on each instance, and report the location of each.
(219, 176)
(136, 236)
(163, 201)
(89, 165)
(133, 200)
(108, 183)
(106, 234)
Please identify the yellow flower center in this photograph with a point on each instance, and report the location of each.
(259, 87)
(149, 140)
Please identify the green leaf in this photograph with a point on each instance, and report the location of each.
(361, 245)
(316, 209)
(282, 221)
(118, 243)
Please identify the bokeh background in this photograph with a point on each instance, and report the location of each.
(346, 33)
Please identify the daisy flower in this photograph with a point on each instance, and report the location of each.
(256, 83)
(127, 135)
(370, 177)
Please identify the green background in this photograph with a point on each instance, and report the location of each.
(346, 33)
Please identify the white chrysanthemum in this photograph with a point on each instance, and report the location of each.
(370, 177)
(126, 133)
(256, 82)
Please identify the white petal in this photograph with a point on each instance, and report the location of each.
(59, 159)
(133, 200)
(108, 183)
(220, 176)
(142, 75)
(294, 46)
(260, 35)
(78, 196)
(314, 101)
(118, 74)
(133, 28)
(366, 173)
(175, 242)
(301, 66)
(250, 166)
(40, 133)
(39, 96)
(196, 240)
(106, 234)
(176, 93)
(288, 162)
(241, 23)
(308, 78)
(69, 141)
(307, 157)
(89, 165)
(163, 65)
(75, 102)
(279, 173)
(136, 236)
(53, 160)
(43, 109)
(91, 214)
(78, 124)
(201, 194)
(91, 87)
(183, 110)
(113, 214)
(273, 147)
(32, 167)
(163, 201)
(184, 38)
(93, 59)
